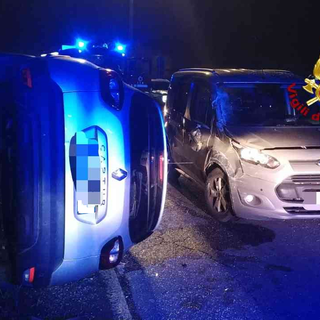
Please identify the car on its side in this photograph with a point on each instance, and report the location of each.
(235, 132)
(83, 167)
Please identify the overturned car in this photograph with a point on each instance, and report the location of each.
(83, 167)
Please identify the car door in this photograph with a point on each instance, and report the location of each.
(177, 105)
(198, 123)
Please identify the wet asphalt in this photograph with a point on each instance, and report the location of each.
(193, 268)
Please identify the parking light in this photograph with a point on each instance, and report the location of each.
(252, 200)
(114, 253)
(249, 198)
(111, 254)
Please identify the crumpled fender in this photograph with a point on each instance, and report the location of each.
(217, 158)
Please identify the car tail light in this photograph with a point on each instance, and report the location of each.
(111, 254)
(161, 168)
(111, 87)
(28, 275)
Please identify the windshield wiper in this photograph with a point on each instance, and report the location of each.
(291, 119)
(288, 121)
(273, 122)
(301, 121)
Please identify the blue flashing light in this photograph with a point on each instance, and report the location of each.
(81, 44)
(66, 47)
(121, 48)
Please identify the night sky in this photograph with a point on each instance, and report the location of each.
(230, 33)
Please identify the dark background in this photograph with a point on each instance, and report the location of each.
(230, 33)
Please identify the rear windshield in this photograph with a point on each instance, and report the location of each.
(264, 105)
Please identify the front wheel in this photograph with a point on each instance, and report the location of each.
(173, 174)
(217, 194)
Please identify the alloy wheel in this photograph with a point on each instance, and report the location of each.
(218, 194)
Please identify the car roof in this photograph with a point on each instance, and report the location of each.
(160, 80)
(243, 75)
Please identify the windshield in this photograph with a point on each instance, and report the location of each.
(264, 105)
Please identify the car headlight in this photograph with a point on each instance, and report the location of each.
(111, 87)
(255, 156)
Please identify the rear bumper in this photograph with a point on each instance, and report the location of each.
(86, 232)
(126, 148)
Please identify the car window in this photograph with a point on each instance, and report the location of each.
(201, 109)
(181, 96)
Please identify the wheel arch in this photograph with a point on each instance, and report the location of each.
(218, 160)
(213, 166)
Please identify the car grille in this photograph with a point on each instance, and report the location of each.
(305, 179)
(295, 188)
(301, 211)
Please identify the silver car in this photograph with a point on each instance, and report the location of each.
(249, 139)
(83, 167)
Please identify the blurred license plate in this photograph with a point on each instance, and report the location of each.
(311, 197)
(317, 197)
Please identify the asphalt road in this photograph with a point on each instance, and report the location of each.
(196, 268)
(193, 268)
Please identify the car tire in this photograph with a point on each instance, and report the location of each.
(173, 174)
(217, 195)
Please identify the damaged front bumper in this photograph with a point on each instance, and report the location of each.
(258, 199)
